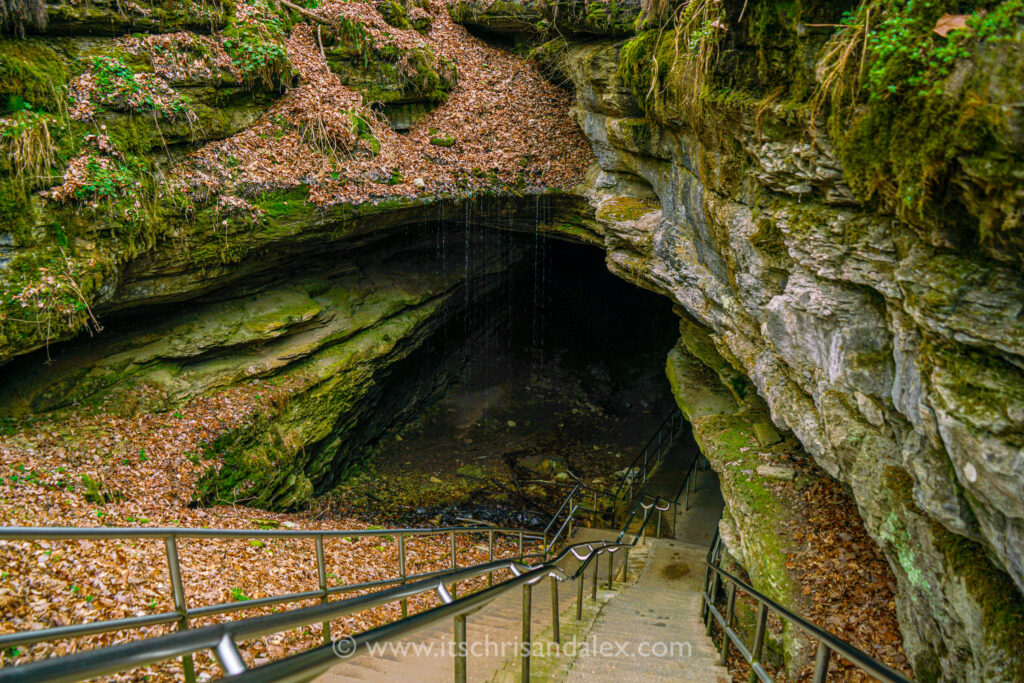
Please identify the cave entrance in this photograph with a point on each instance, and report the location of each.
(559, 373)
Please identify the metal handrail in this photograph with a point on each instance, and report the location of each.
(672, 422)
(715, 577)
(222, 639)
(670, 426)
(182, 614)
(567, 501)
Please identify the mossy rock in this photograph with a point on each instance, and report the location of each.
(614, 18)
(515, 17)
(111, 17)
(31, 73)
(443, 141)
(424, 78)
(619, 209)
(394, 13)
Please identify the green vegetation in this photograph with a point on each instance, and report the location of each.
(238, 595)
(388, 73)
(443, 141)
(889, 99)
(31, 72)
(44, 292)
(394, 13)
(257, 47)
(117, 85)
(915, 94)
(678, 55)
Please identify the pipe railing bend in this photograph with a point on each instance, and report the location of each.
(717, 579)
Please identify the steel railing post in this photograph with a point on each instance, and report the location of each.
(730, 609)
(460, 648)
(178, 589)
(556, 631)
(455, 585)
(821, 663)
(571, 510)
(229, 657)
(404, 602)
(593, 514)
(611, 568)
(657, 532)
(527, 599)
(715, 580)
(579, 595)
(520, 546)
(321, 573)
(625, 566)
(593, 587)
(490, 556)
(755, 657)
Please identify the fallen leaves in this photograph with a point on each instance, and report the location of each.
(511, 127)
(152, 461)
(948, 23)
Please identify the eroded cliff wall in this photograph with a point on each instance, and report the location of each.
(865, 276)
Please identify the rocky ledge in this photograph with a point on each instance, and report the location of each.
(877, 314)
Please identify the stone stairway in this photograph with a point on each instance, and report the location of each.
(654, 625)
(492, 634)
(647, 629)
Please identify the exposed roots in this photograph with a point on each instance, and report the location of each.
(32, 150)
(841, 68)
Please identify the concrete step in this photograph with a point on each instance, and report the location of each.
(655, 626)
(653, 611)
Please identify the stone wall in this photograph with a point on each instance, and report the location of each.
(896, 361)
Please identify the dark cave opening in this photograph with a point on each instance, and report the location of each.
(526, 349)
(560, 366)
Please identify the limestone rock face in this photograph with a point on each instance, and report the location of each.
(525, 18)
(896, 362)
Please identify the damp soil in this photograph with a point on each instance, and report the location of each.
(507, 451)
(567, 387)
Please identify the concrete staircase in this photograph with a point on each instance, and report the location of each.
(493, 634)
(647, 629)
(655, 625)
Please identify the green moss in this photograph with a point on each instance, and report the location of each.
(626, 208)
(636, 65)
(31, 73)
(375, 71)
(45, 295)
(394, 14)
(730, 445)
(1003, 616)
(284, 202)
(915, 112)
(113, 18)
(443, 141)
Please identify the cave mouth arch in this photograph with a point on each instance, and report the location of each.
(373, 332)
(556, 372)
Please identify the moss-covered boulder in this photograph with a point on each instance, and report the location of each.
(110, 17)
